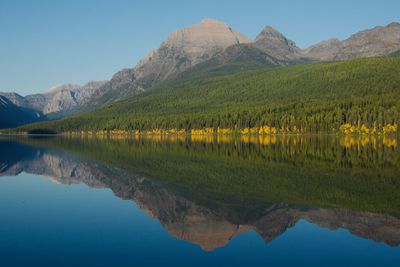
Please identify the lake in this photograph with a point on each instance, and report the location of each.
(200, 201)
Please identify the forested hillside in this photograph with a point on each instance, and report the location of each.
(361, 95)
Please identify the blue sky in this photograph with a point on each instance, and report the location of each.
(48, 42)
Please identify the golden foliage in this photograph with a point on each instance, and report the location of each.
(362, 129)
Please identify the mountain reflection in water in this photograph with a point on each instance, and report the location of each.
(207, 192)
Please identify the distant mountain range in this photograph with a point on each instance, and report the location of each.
(205, 49)
(378, 41)
(57, 102)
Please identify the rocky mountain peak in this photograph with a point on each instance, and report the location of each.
(276, 44)
(209, 33)
(270, 33)
(65, 98)
(187, 47)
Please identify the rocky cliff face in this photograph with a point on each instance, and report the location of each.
(65, 98)
(122, 85)
(379, 41)
(60, 98)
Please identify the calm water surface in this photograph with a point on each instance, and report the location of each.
(282, 201)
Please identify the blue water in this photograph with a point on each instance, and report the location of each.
(43, 223)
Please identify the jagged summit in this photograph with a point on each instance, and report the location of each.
(269, 32)
(187, 47)
(276, 44)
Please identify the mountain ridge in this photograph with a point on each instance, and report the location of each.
(209, 48)
(378, 41)
(276, 50)
(181, 50)
(57, 101)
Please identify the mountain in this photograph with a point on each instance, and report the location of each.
(13, 116)
(325, 50)
(317, 97)
(213, 48)
(201, 51)
(276, 45)
(208, 48)
(182, 50)
(58, 101)
(56, 98)
(186, 48)
(66, 99)
(378, 41)
(17, 99)
(270, 49)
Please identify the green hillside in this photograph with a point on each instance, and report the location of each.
(315, 97)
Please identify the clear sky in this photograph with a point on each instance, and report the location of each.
(48, 42)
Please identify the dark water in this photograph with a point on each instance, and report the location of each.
(293, 201)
